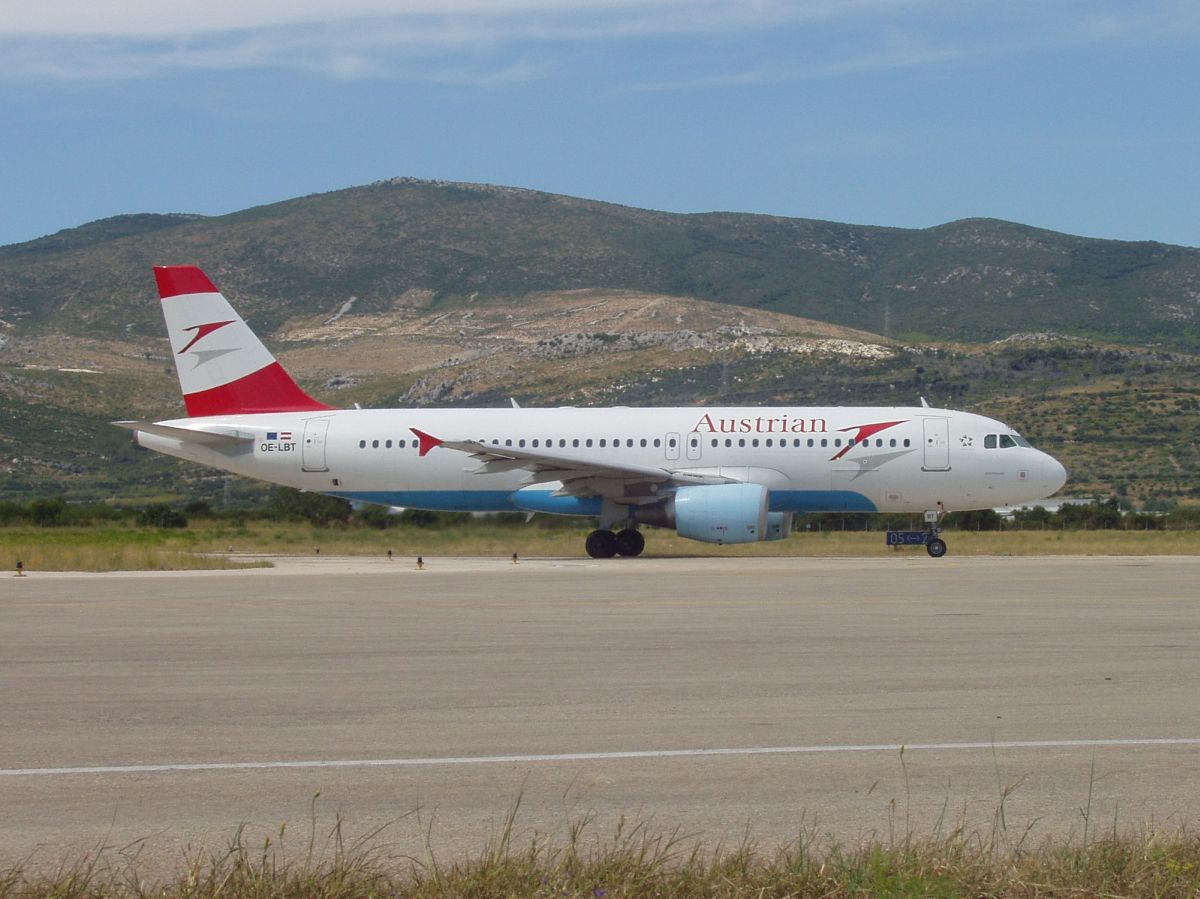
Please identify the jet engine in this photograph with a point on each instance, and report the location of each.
(722, 513)
(779, 525)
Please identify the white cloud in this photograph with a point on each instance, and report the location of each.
(487, 42)
(148, 19)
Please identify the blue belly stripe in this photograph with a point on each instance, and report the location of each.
(544, 501)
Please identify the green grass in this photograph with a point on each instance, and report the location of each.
(215, 545)
(109, 549)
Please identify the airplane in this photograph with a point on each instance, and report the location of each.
(723, 475)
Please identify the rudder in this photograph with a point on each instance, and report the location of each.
(223, 368)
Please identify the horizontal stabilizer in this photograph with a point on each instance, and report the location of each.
(228, 437)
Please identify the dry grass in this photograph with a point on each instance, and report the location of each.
(107, 549)
(635, 862)
(207, 544)
(533, 541)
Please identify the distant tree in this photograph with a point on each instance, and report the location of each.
(373, 516)
(198, 508)
(46, 513)
(160, 515)
(978, 520)
(290, 504)
(1037, 517)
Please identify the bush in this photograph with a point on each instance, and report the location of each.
(161, 515)
(46, 513)
(373, 516)
(290, 504)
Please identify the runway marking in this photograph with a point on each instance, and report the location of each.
(597, 756)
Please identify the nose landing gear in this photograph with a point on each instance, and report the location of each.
(934, 545)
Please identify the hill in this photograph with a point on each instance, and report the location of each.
(382, 244)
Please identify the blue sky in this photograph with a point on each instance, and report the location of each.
(1076, 115)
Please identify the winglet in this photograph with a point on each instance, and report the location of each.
(428, 441)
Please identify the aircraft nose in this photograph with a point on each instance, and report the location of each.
(1055, 474)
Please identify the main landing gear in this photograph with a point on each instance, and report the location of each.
(604, 544)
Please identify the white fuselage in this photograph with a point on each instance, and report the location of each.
(859, 459)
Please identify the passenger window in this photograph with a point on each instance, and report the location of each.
(838, 442)
(401, 443)
(643, 441)
(741, 441)
(374, 444)
(728, 442)
(362, 444)
(657, 442)
(575, 442)
(754, 442)
(588, 442)
(769, 443)
(388, 445)
(893, 443)
(535, 443)
(508, 442)
(824, 441)
(989, 442)
(715, 442)
(521, 442)
(671, 443)
(603, 442)
(811, 442)
(907, 442)
(850, 442)
(879, 441)
(1006, 442)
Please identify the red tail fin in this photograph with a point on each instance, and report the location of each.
(223, 368)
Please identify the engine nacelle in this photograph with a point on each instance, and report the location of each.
(779, 525)
(722, 513)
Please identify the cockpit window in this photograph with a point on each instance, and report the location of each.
(989, 442)
(1021, 441)
(1006, 442)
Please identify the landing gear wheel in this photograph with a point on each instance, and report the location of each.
(630, 542)
(601, 544)
(936, 547)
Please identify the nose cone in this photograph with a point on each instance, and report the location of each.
(1054, 475)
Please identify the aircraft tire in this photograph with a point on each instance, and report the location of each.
(601, 544)
(630, 542)
(936, 547)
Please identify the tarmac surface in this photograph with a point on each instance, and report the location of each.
(153, 714)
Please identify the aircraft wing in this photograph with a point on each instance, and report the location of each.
(580, 476)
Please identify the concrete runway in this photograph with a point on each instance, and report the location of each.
(431, 701)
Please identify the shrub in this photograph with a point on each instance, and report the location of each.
(161, 515)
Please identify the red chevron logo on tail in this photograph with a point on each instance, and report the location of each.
(202, 331)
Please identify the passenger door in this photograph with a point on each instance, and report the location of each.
(313, 451)
(937, 444)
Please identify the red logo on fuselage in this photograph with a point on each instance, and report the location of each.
(203, 331)
(864, 431)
